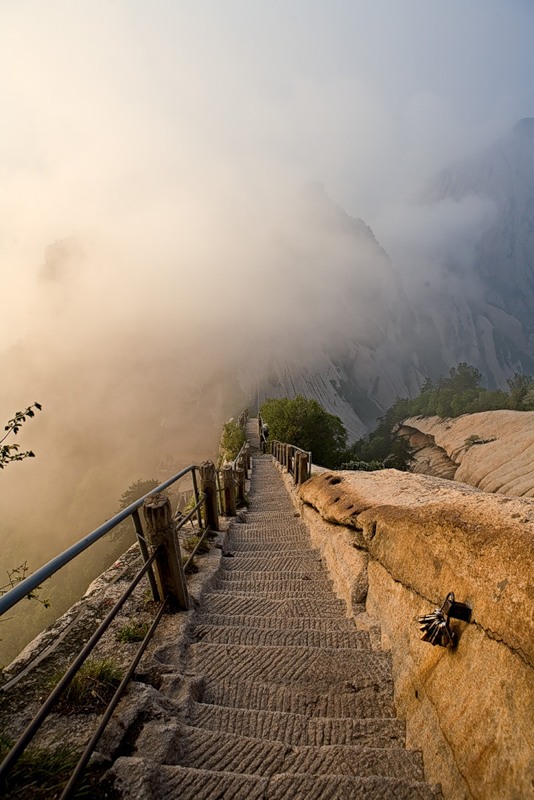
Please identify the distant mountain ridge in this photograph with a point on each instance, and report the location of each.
(388, 343)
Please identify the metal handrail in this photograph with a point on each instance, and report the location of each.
(29, 584)
(28, 734)
(91, 745)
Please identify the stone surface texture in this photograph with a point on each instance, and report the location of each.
(277, 691)
(469, 709)
(492, 450)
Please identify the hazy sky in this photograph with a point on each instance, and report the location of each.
(149, 125)
(168, 140)
(164, 145)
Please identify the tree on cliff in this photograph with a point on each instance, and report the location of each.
(306, 424)
(11, 452)
(8, 454)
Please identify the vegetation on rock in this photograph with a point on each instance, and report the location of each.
(306, 424)
(459, 393)
(11, 452)
(232, 440)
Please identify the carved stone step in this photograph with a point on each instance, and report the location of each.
(188, 746)
(362, 697)
(137, 779)
(290, 665)
(256, 562)
(298, 729)
(278, 623)
(232, 634)
(222, 603)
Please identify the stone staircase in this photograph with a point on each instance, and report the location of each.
(289, 700)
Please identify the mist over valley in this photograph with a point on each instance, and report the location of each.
(203, 207)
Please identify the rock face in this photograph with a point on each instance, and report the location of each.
(394, 330)
(492, 450)
(469, 709)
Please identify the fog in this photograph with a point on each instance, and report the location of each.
(157, 240)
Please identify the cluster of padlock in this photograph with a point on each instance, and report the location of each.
(434, 629)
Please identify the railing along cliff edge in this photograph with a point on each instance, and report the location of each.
(163, 566)
(297, 461)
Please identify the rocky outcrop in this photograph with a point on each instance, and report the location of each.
(403, 542)
(492, 450)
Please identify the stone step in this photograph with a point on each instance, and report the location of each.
(256, 562)
(140, 779)
(222, 603)
(331, 624)
(188, 746)
(268, 546)
(362, 698)
(251, 562)
(319, 594)
(271, 516)
(312, 576)
(297, 729)
(291, 665)
(266, 534)
(322, 588)
(232, 634)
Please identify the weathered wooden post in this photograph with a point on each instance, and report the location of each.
(161, 531)
(247, 459)
(229, 491)
(301, 468)
(240, 480)
(208, 486)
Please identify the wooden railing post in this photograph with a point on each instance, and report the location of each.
(161, 531)
(208, 486)
(247, 461)
(229, 491)
(240, 481)
(301, 468)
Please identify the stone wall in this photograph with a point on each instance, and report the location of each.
(399, 543)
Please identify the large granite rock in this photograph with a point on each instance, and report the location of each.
(492, 450)
(470, 709)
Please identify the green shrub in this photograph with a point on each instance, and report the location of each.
(232, 440)
(92, 687)
(41, 774)
(132, 632)
(191, 542)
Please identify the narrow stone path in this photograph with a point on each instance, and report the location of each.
(290, 701)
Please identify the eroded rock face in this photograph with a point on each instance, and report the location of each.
(493, 450)
(469, 709)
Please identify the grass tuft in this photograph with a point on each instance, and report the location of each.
(41, 774)
(91, 688)
(132, 632)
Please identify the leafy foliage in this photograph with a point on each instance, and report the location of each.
(136, 490)
(11, 452)
(232, 440)
(17, 575)
(306, 424)
(459, 393)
